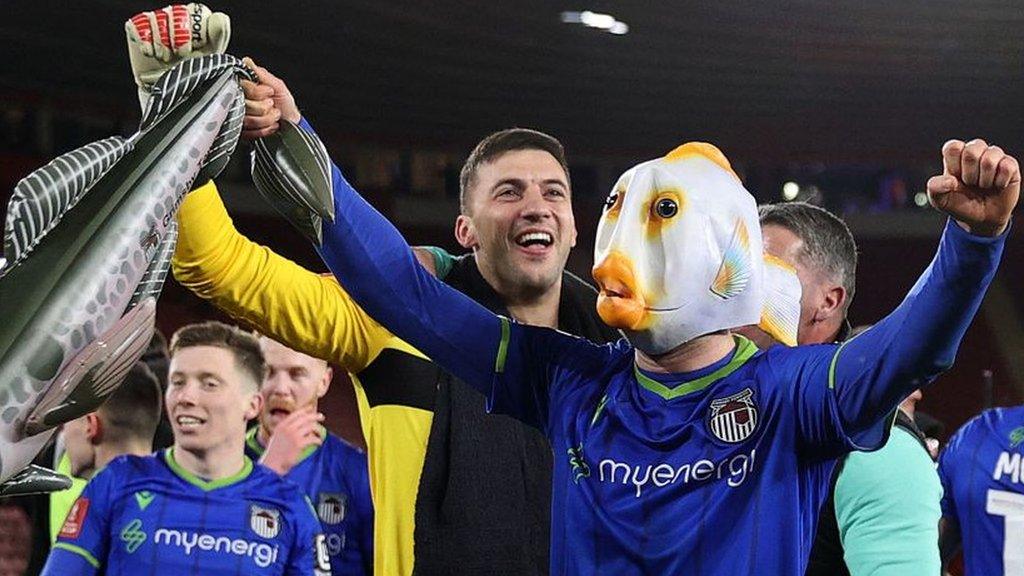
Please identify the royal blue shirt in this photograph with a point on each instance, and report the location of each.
(717, 472)
(982, 472)
(147, 516)
(335, 477)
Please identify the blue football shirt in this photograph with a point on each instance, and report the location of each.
(982, 472)
(336, 479)
(717, 472)
(143, 516)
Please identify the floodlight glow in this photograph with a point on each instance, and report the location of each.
(571, 18)
(790, 190)
(597, 20)
(619, 28)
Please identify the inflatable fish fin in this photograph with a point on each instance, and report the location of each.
(43, 197)
(34, 480)
(177, 85)
(734, 272)
(95, 372)
(153, 279)
(292, 171)
(780, 317)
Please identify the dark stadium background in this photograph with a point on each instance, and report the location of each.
(850, 101)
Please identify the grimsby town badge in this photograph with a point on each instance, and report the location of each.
(264, 521)
(734, 418)
(331, 508)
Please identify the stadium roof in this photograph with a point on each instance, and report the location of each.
(807, 80)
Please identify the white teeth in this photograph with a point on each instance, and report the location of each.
(188, 421)
(535, 236)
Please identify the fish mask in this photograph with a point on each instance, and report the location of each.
(679, 255)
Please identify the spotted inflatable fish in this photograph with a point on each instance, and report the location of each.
(87, 243)
(679, 255)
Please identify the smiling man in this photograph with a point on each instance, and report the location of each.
(202, 502)
(290, 440)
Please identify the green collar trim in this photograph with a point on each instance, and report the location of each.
(253, 442)
(80, 551)
(207, 485)
(506, 333)
(743, 352)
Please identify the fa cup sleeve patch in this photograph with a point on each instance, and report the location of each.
(76, 518)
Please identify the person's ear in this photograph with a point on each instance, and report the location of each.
(831, 304)
(325, 382)
(93, 428)
(465, 232)
(255, 406)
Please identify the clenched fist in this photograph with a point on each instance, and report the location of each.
(978, 188)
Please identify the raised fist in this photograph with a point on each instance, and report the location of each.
(159, 39)
(978, 188)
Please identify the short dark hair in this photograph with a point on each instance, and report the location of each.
(133, 410)
(828, 245)
(504, 141)
(156, 357)
(243, 345)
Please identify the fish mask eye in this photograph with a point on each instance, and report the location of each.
(610, 202)
(666, 208)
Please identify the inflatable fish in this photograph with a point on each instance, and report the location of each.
(87, 243)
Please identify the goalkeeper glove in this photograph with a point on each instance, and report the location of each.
(159, 39)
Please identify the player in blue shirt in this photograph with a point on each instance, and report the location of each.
(685, 450)
(290, 440)
(201, 506)
(982, 472)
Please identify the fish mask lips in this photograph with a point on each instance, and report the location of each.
(620, 303)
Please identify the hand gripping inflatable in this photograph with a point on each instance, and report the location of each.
(679, 255)
(87, 243)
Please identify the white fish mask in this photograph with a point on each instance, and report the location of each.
(679, 255)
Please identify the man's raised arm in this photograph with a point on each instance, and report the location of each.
(873, 372)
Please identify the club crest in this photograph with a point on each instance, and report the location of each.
(264, 521)
(734, 418)
(331, 508)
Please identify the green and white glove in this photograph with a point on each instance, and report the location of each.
(159, 39)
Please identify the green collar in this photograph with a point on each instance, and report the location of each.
(744, 350)
(207, 485)
(253, 442)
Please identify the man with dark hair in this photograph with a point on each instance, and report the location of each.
(498, 143)
(124, 424)
(201, 502)
(881, 515)
(821, 248)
